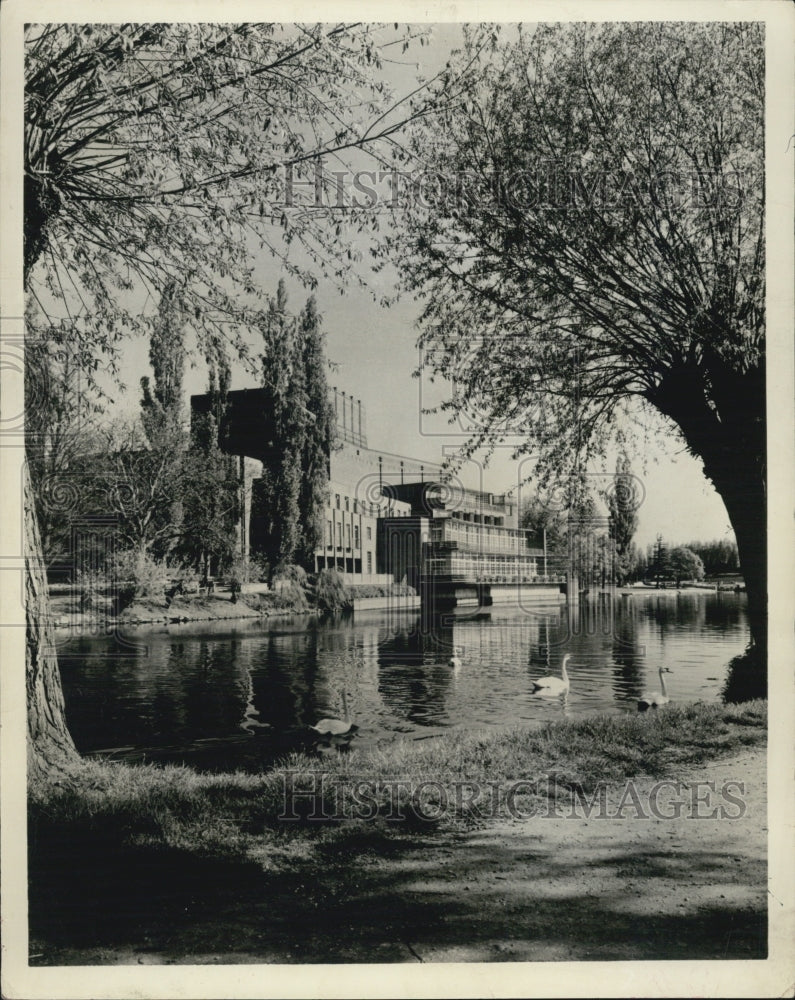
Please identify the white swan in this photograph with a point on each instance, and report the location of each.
(455, 659)
(335, 727)
(551, 684)
(653, 699)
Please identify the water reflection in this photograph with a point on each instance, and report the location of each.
(182, 689)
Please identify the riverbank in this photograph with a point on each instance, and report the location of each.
(66, 613)
(253, 603)
(468, 847)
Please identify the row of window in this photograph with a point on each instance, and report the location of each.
(356, 541)
(365, 507)
(347, 565)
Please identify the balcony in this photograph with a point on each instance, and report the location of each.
(449, 535)
(466, 568)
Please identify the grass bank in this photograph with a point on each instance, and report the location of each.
(238, 814)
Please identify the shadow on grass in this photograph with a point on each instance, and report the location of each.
(376, 896)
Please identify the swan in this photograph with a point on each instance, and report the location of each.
(335, 727)
(653, 699)
(551, 684)
(455, 659)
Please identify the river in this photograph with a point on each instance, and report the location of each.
(244, 694)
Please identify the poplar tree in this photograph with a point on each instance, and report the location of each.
(211, 502)
(318, 435)
(161, 402)
(284, 399)
(622, 504)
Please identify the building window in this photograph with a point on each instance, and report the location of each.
(347, 503)
(330, 534)
(337, 500)
(347, 536)
(369, 533)
(355, 506)
(356, 536)
(369, 563)
(339, 536)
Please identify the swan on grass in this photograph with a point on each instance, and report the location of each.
(335, 727)
(552, 684)
(653, 699)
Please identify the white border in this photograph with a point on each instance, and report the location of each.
(774, 977)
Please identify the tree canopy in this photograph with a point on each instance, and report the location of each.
(163, 153)
(596, 240)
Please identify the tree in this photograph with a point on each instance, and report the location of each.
(685, 565)
(294, 486)
(162, 403)
(284, 403)
(59, 431)
(161, 407)
(167, 152)
(210, 500)
(576, 536)
(318, 436)
(622, 504)
(638, 563)
(600, 224)
(660, 560)
(139, 484)
(718, 556)
(548, 525)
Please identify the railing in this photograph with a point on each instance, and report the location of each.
(486, 569)
(483, 538)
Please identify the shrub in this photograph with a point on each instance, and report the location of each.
(290, 585)
(331, 593)
(290, 573)
(258, 569)
(92, 588)
(136, 575)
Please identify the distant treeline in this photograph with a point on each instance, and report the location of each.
(718, 557)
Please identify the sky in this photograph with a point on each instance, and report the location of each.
(374, 350)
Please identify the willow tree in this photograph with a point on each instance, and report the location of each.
(595, 240)
(175, 153)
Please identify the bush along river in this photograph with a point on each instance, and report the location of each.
(242, 695)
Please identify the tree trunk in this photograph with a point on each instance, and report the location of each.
(50, 747)
(721, 412)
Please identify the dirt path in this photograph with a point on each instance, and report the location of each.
(536, 889)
